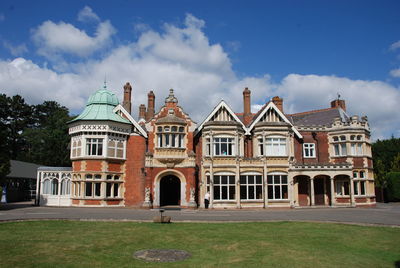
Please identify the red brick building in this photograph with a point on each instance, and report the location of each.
(243, 160)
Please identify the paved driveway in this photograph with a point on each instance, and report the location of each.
(382, 214)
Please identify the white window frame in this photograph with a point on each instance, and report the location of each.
(218, 144)
(253, 185)
(280, 185)
(309, 148)
(166, 138)
(358, 187)
(89, 144)
(276, 141)
(228, 186)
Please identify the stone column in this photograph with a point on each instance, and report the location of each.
(290, 190)
(211, 185)
(352, 201)
(312, 191)
(237, 183)
(265, 183)
(332, 192)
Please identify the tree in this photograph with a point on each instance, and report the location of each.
(4, 134)
(396, 163)
(48, 139)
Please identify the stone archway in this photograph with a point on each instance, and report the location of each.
(170, 191)
(303, 190)
(157, 186)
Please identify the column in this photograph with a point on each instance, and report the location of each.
(38, 183)
(352, 201)
(332, 192)
(290, 190)
(59, 187)
(265, 183)
(312, 191)
(237, 183)
(211, 185)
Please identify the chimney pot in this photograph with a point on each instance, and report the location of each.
(278, 102)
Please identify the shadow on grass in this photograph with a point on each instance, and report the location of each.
(397, 264)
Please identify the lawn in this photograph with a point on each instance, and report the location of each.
(273, 244)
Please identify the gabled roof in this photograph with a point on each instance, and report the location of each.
(323, 117)
(263, 110)
(121, 109)
(222, 104)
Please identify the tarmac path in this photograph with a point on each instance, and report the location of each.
(382, 214)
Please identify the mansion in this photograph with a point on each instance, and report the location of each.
(240, 159)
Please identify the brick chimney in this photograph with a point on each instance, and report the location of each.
(127, 97)
(246, 106)
(338, 103)
(150, 105)
(142, 111)
(278, 102)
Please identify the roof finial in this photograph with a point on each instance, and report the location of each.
(338, 95)
(105, 81)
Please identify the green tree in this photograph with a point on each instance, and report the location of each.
(48, 139)
(396, 163)
(4, 135)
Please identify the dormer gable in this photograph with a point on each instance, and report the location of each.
(222, 113)
(270, 113)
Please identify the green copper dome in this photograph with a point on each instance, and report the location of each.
(100, 106)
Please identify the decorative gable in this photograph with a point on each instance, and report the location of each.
(271, 113)
(222, 113)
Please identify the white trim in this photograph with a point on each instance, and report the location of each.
(222, 103)
(130, 118)
(272, 106)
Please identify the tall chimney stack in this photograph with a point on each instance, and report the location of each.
(142, 111)
(278, 102)
(127, 97)
(338, 103)
(150, 105)
(246, 106)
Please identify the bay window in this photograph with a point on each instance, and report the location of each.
(275, 146)
(94, 146)
(251, 187)
(224, 146)
(170, 137)
(277, 187)
(224, 187)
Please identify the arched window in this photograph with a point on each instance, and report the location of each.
(54, 187)
(46, 187)
(65, 187)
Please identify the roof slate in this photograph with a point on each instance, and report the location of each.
(20, 169)
(323, 117)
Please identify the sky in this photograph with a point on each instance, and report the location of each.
(306, 52)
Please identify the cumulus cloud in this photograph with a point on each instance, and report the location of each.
(395, 72)
(87, 14)
(15, 50)
(181, 57)
(54, 39)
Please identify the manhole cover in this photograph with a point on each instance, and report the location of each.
(161, 255)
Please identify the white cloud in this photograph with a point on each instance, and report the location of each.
(395, 45)
(87, 14)
(376, 99)
(53, 39)
(15, 50)
(395, 72)
(201, 74)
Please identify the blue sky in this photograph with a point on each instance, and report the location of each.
(305, 51)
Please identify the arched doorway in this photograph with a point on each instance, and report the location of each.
(170, 191)
(303, 190)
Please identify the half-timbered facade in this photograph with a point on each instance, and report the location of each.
(242, 160)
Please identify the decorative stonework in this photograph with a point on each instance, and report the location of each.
(147, 198)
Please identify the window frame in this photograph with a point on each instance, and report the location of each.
(279, 185)
(270, 143)
(217, 143)
(311, 148)
(253, 185)
(229, 185)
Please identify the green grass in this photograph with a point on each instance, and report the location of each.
(274, 244)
